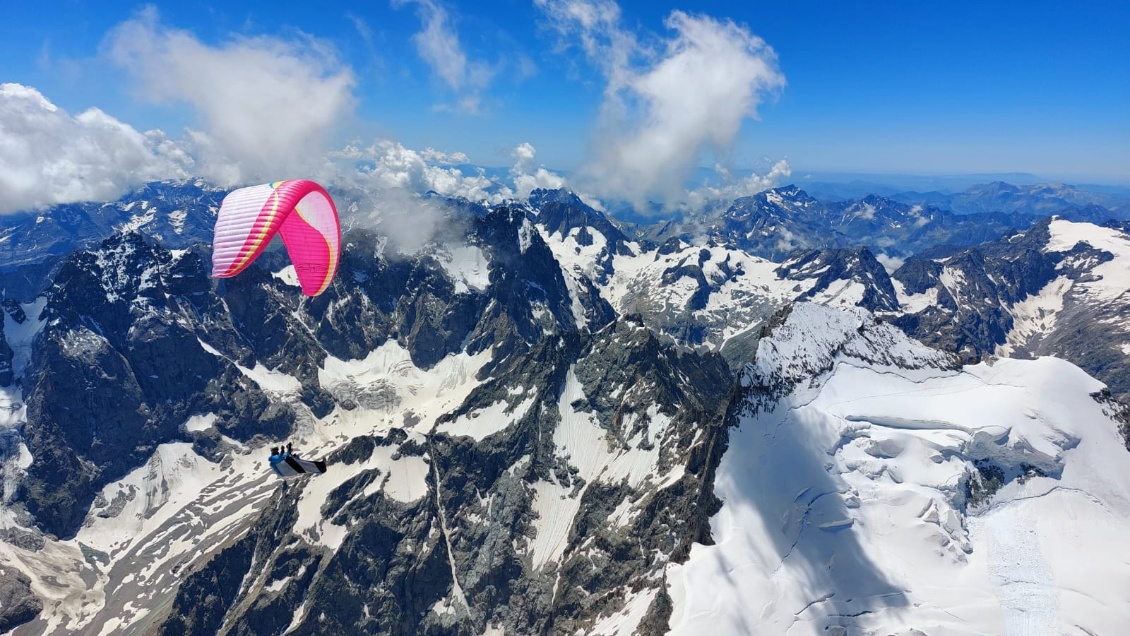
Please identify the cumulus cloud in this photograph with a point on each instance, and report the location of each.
(736, 188)
(269, 106)
(388, 180)
(408, 221)
(388, 164)
(49, 157)
(527, 177)
(889, 262)
(438, 44)
(667, 105)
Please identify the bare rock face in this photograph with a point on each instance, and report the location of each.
(975, 289)
(483, 545)
(858, 265)
(18, 604)
(1033, 293)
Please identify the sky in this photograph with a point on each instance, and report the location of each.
(620, 100)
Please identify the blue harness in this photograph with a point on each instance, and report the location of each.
(275, 460)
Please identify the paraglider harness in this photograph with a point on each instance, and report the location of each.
(286, 463)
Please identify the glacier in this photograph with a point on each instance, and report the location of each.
(846, 495)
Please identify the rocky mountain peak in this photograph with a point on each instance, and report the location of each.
(829, 267)
(568, 215)
(805, 339)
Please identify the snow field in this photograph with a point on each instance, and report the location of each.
(1112, 278)
(288, 276)
(1036, 315)
(482, 423)
(468, 266)
(914, 303)
(625, 622)
(586, 445)
(269, 380)
(738, 299)
(20, 335)
(182, 507)
(404, 479)
(842, 507)
(576, 261)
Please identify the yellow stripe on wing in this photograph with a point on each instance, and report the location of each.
(272, 212)
(332, 266)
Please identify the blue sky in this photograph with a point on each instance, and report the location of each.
(620, 91)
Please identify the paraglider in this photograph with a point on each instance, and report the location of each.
(286, 463)
(300, 211)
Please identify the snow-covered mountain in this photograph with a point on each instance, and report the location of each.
(1058, 289)
(535, 426)
(774, 223)
(870, 485)
(474, 421)
(706, 294)
(178, 213)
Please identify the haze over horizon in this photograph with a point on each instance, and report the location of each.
(629, 99)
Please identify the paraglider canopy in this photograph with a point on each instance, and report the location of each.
(300, 211)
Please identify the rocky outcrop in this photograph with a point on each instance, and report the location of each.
(5, 357)
(18, 604)
(975, 290)
(468, 555)
(858, 265)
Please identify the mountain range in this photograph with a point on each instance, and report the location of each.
(783, 416)
(1040, 199)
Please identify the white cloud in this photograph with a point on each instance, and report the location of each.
(524, 155)
(432, 155)
(665, 107)
(362, 27)
(48, 157)
(408, 221)
(526, 181)
(438, 44)
(388, 181)
(596, 23)
(890, 263)
(269, 106)
(388, 164)
(754, 183)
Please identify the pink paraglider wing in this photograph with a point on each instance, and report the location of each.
(301, 211)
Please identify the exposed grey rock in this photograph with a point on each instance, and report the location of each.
(858, 265)
(18, 604)
(117, 504)
(27, 539)
(974, 311)
(394, 572)
(1118, 410)
(973, 317)
(5, 358)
